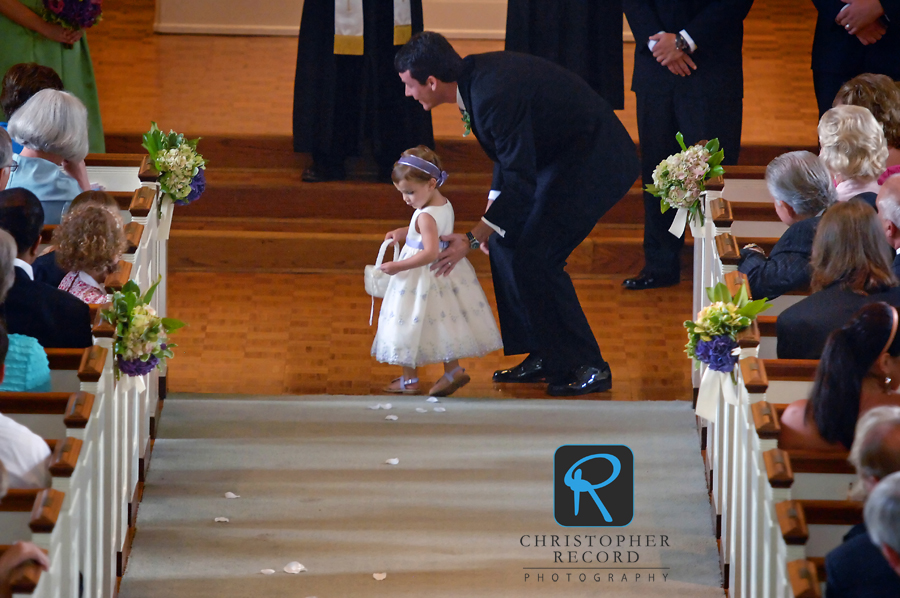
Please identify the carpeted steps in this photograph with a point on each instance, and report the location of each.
(258, 215)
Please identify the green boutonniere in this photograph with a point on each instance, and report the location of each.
(467, 122)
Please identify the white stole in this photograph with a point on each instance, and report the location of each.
(348, 25)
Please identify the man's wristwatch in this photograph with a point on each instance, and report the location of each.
(681, 44)
(473, 242)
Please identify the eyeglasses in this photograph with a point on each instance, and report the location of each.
(12, 166)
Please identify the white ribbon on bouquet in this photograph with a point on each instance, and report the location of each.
(129, 383)
(715, 384)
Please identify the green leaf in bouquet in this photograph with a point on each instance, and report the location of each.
(716, 158)
(171, 324)
(754, 308)
(149, 294)
(715, 171)
(712, 145)
(742, 298)
(131, 287)
(652, 190)
(663, 206)
(680, 139)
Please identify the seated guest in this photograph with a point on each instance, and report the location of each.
(882, 516)
(46, 269)
(856, 567)
(52, 126)
(89, 243)
(27, 368)
(888, 204)
(55, 318)
(859, 370)
(21, 82)
(7, 164)
(881, 96)
(24, 453)
(20, 552)
(851, 266)
(853, 149)
(802, 189)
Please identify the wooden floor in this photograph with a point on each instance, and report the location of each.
(308, 333)
(225, 85)
(300, 334)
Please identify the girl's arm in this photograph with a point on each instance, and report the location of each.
(78, 171)
(398, 235)
(20, 14)
(428, 229)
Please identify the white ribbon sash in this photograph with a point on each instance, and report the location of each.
(348, 25)
(680, 222)
(128, 383)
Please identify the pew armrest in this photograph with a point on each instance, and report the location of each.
(142, 202)
(728, 250)
(45, 513)
(65, 457)
(24, 578)
(804, 579)
(778, 468)
(78, 409)
(92, 361)
(754, 372)
(765, 420)
(115, 281)
(792, 522)
(735, 280)
(720, 212)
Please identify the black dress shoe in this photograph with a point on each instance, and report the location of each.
(583, 380)
(650, 281)
(320, 174)
(530, 370)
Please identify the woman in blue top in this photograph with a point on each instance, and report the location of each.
(52, 127)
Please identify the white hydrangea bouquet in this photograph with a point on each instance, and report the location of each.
(181, 167)
(679, 181)
(141, 335)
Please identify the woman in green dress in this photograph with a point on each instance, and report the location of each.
(26, 37)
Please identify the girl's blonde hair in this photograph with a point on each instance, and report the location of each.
(853, 143)
(90, 238)
(404, 172)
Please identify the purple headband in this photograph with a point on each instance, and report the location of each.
(426, 167)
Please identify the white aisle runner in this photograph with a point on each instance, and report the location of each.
(466, 512)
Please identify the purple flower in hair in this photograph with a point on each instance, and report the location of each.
(717, 353)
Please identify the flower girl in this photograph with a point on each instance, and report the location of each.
(427, 318)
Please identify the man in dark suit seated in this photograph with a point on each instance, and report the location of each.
(802, 189)
(55, 318)
(856, 568)
(888, 203)
(561, 160)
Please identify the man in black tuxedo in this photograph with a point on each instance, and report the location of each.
(55, 318)
(688, 77)
(888, 203)
(856, 568)
(561, 160)
(802, 190)
(852, 38)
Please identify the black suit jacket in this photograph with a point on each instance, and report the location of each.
(787, 268)
(47, 271)
(836, 51)
(555, 143)
(55, 318)
(896, 265)
(857, 569)
(804, 327)
(716, 26)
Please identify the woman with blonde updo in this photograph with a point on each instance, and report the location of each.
(89, 242)
(881, 96)
(854, 149)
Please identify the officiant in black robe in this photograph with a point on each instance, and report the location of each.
(585, 36)
(561, 160)
(345, 103)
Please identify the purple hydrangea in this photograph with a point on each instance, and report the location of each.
(79, 14)
(136, 367)
(717, 353)
(198, 186)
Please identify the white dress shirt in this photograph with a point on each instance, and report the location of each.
(24, 454)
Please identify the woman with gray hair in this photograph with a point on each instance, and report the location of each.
(802, 190)
(52, 127)
(882, 515)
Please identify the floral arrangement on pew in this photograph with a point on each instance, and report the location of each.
(141, 335)
(182, 177)
(73, 14)
(712, 339)
(680, 179)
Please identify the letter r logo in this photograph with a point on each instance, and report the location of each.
(593, 485)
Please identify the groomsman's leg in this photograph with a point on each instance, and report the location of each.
(657, 126)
